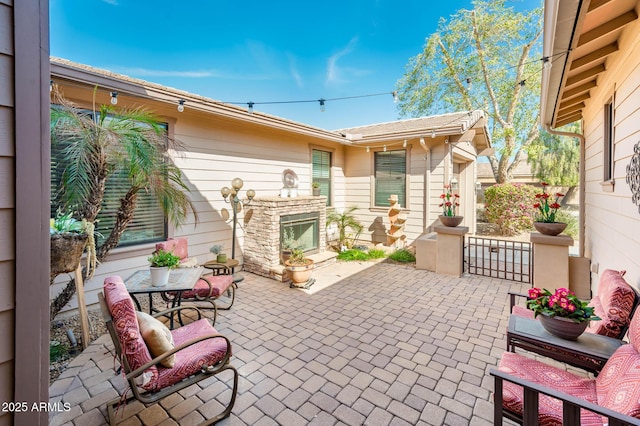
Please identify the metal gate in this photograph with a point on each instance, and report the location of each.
(510, 260)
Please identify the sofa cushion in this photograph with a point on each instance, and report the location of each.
(618, 384)
(157, 337)
(193, 358)
(219, 284)
(125, 323)
(613, 303)
(550, 409)
(522, 311)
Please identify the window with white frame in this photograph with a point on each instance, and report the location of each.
(390, 176)
(321, 172)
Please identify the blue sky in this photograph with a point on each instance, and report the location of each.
(242, 51)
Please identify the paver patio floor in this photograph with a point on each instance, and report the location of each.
(387, 345)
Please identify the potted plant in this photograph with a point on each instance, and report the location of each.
(299, 267)
(545, 221)
(217, 250)
(69, 237)
(287, 244)
(161, 263)
(561, 313)
(450, 202)
(315, 188)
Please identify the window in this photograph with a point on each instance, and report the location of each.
(321, 172)
(390, 176)
(148, 224)
(608, 141)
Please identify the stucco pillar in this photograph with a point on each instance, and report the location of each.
(550, 260)
(450, 249)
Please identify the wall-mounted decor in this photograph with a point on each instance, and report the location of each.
(633, 175)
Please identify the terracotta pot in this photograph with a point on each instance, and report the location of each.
(316, 192)
(299, 274)
(66, 252)
(451, 221)
(550, 228)
(564, 328)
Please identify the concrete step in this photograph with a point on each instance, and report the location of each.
(320, 260)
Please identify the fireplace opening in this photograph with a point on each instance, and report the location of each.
(304, 229)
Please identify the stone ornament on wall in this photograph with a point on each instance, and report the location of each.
(633, 175)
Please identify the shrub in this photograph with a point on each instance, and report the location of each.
(510, 207)
(353, 254)
(572, 223)
(377, 254)
(402, 256)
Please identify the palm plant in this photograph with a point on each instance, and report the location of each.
(97, 146)
(343, 221)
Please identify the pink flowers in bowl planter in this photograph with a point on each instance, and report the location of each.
(562, 303)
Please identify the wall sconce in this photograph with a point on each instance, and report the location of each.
(230, 196)
(454, 184)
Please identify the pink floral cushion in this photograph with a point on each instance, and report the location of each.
(191, 359)
(219, 284)
(179, 247)
(614, 303)
(125, 323)
(618, 384)
(550, 409)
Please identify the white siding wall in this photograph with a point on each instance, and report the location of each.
(214, 153)
(612, 220)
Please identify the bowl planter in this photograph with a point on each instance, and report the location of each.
(451, 221)
(159, 275)
(562, 327)
(299, 272)
(66, 252)
(550, 228)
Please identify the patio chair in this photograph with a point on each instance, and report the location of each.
(199, 351)
(531, 392)
(615, 302)
(210, 287)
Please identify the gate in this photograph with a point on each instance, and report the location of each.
(509, 260)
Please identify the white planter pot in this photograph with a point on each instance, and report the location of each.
(159, 276)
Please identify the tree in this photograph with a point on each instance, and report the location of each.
(555, 159)
(345, 220)
(97, 146)
(485, 58)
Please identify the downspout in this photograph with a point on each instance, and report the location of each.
(427, 185)
(581, 182)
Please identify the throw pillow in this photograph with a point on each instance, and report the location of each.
(157, 337)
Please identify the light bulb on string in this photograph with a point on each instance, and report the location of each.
(181, 105)
(322, 107)
(384, 148)
(546, 63)
(396, 98)
(114, 98)
(404, 144)
(433, 133)
(250, 108)
(367, 149)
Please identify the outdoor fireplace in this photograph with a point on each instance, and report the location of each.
(266, 222)
(303, 229)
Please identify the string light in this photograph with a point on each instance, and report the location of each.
(396, 99)
(384, 148)
(433, 133)
(181, 105)
(546, 63)
(322, 108)
(404, 144)
(422, 141)
(114, 98)
(367, 149)
(250, 108)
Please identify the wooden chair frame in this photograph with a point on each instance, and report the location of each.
(149, 397)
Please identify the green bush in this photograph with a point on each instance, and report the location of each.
(358, 254)
(510, 206)
(403, 256)
(377, 254)
(571, 221)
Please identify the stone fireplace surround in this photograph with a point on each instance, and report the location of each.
(262, 230)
